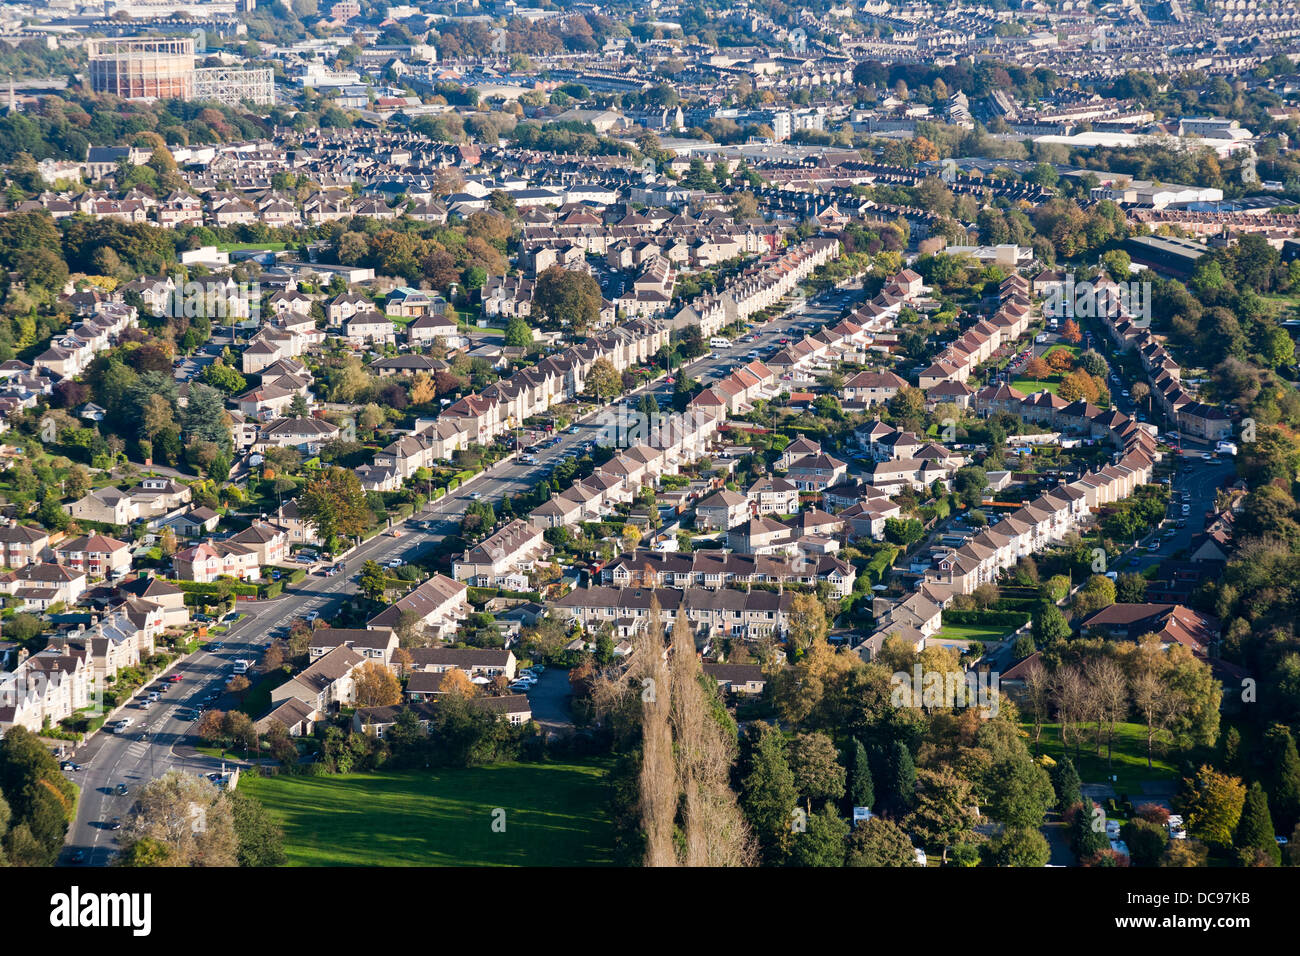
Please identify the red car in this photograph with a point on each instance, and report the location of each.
(175, 678)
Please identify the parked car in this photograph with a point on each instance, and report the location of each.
(70, 765)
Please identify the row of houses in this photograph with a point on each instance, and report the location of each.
(61, 679)
(759, 287)
(979, 343)
(618, 480)
(707, 568)
(1188, 414)
(724, 612)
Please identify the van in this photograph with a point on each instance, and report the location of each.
(717, 342)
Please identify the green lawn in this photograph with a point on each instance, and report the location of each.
(555, 815)
(1130, 756)
(973, 632)
(241, 246)
(1030, 385)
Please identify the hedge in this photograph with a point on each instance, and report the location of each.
(482, 595)
(241, 588)
(989, 618)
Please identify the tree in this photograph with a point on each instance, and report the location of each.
(1146, 841)
(817, 771)
(1050, 626)
(1282, 777)
(457, 683)
(1020, 846)
(1070, 332)
(1020, 792)
(1212, 804)
(1130, 588)
(1255, 834)
(376, 686)
(260, 839)
(806, 621)
(860, 790)
(518, 334)
(899, 779)
(568, 297)
(970, 483)
(373, 581)
(822, 842)
(1068, 786)
(189, 816)
(945, 809)
(335, 505)
(604, 380)
(768, 794)
(879, 842)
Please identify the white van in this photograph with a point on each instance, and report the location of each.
(718, 342)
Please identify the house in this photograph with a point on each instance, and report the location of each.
(474, 661)
(22, 544)
(326, 683)
(164, 594)
(436, 606)
(97, 554)
(297, 717)
(816, 472)
(106, 505)
(721, 510)
(504, 558)
(37, 586)
(773, 496)
(209, 560)
(746, 679)
(1170, 623)
(376, 644)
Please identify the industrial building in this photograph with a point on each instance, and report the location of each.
(151, 68)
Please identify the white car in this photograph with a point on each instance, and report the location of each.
(124, 723)
(1176, 830)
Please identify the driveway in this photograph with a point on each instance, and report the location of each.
(549, 700)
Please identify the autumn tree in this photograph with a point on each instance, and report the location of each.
(187, 815)
(604, 380)
(335, 505)
(1212, 803)
(879, 842)
(376, 686)
(568, 297)
(945, 808)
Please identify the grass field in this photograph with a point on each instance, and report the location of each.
(1130, 756)
(555, 815)
(241, 246)
(973, 632)
(1030, 385)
